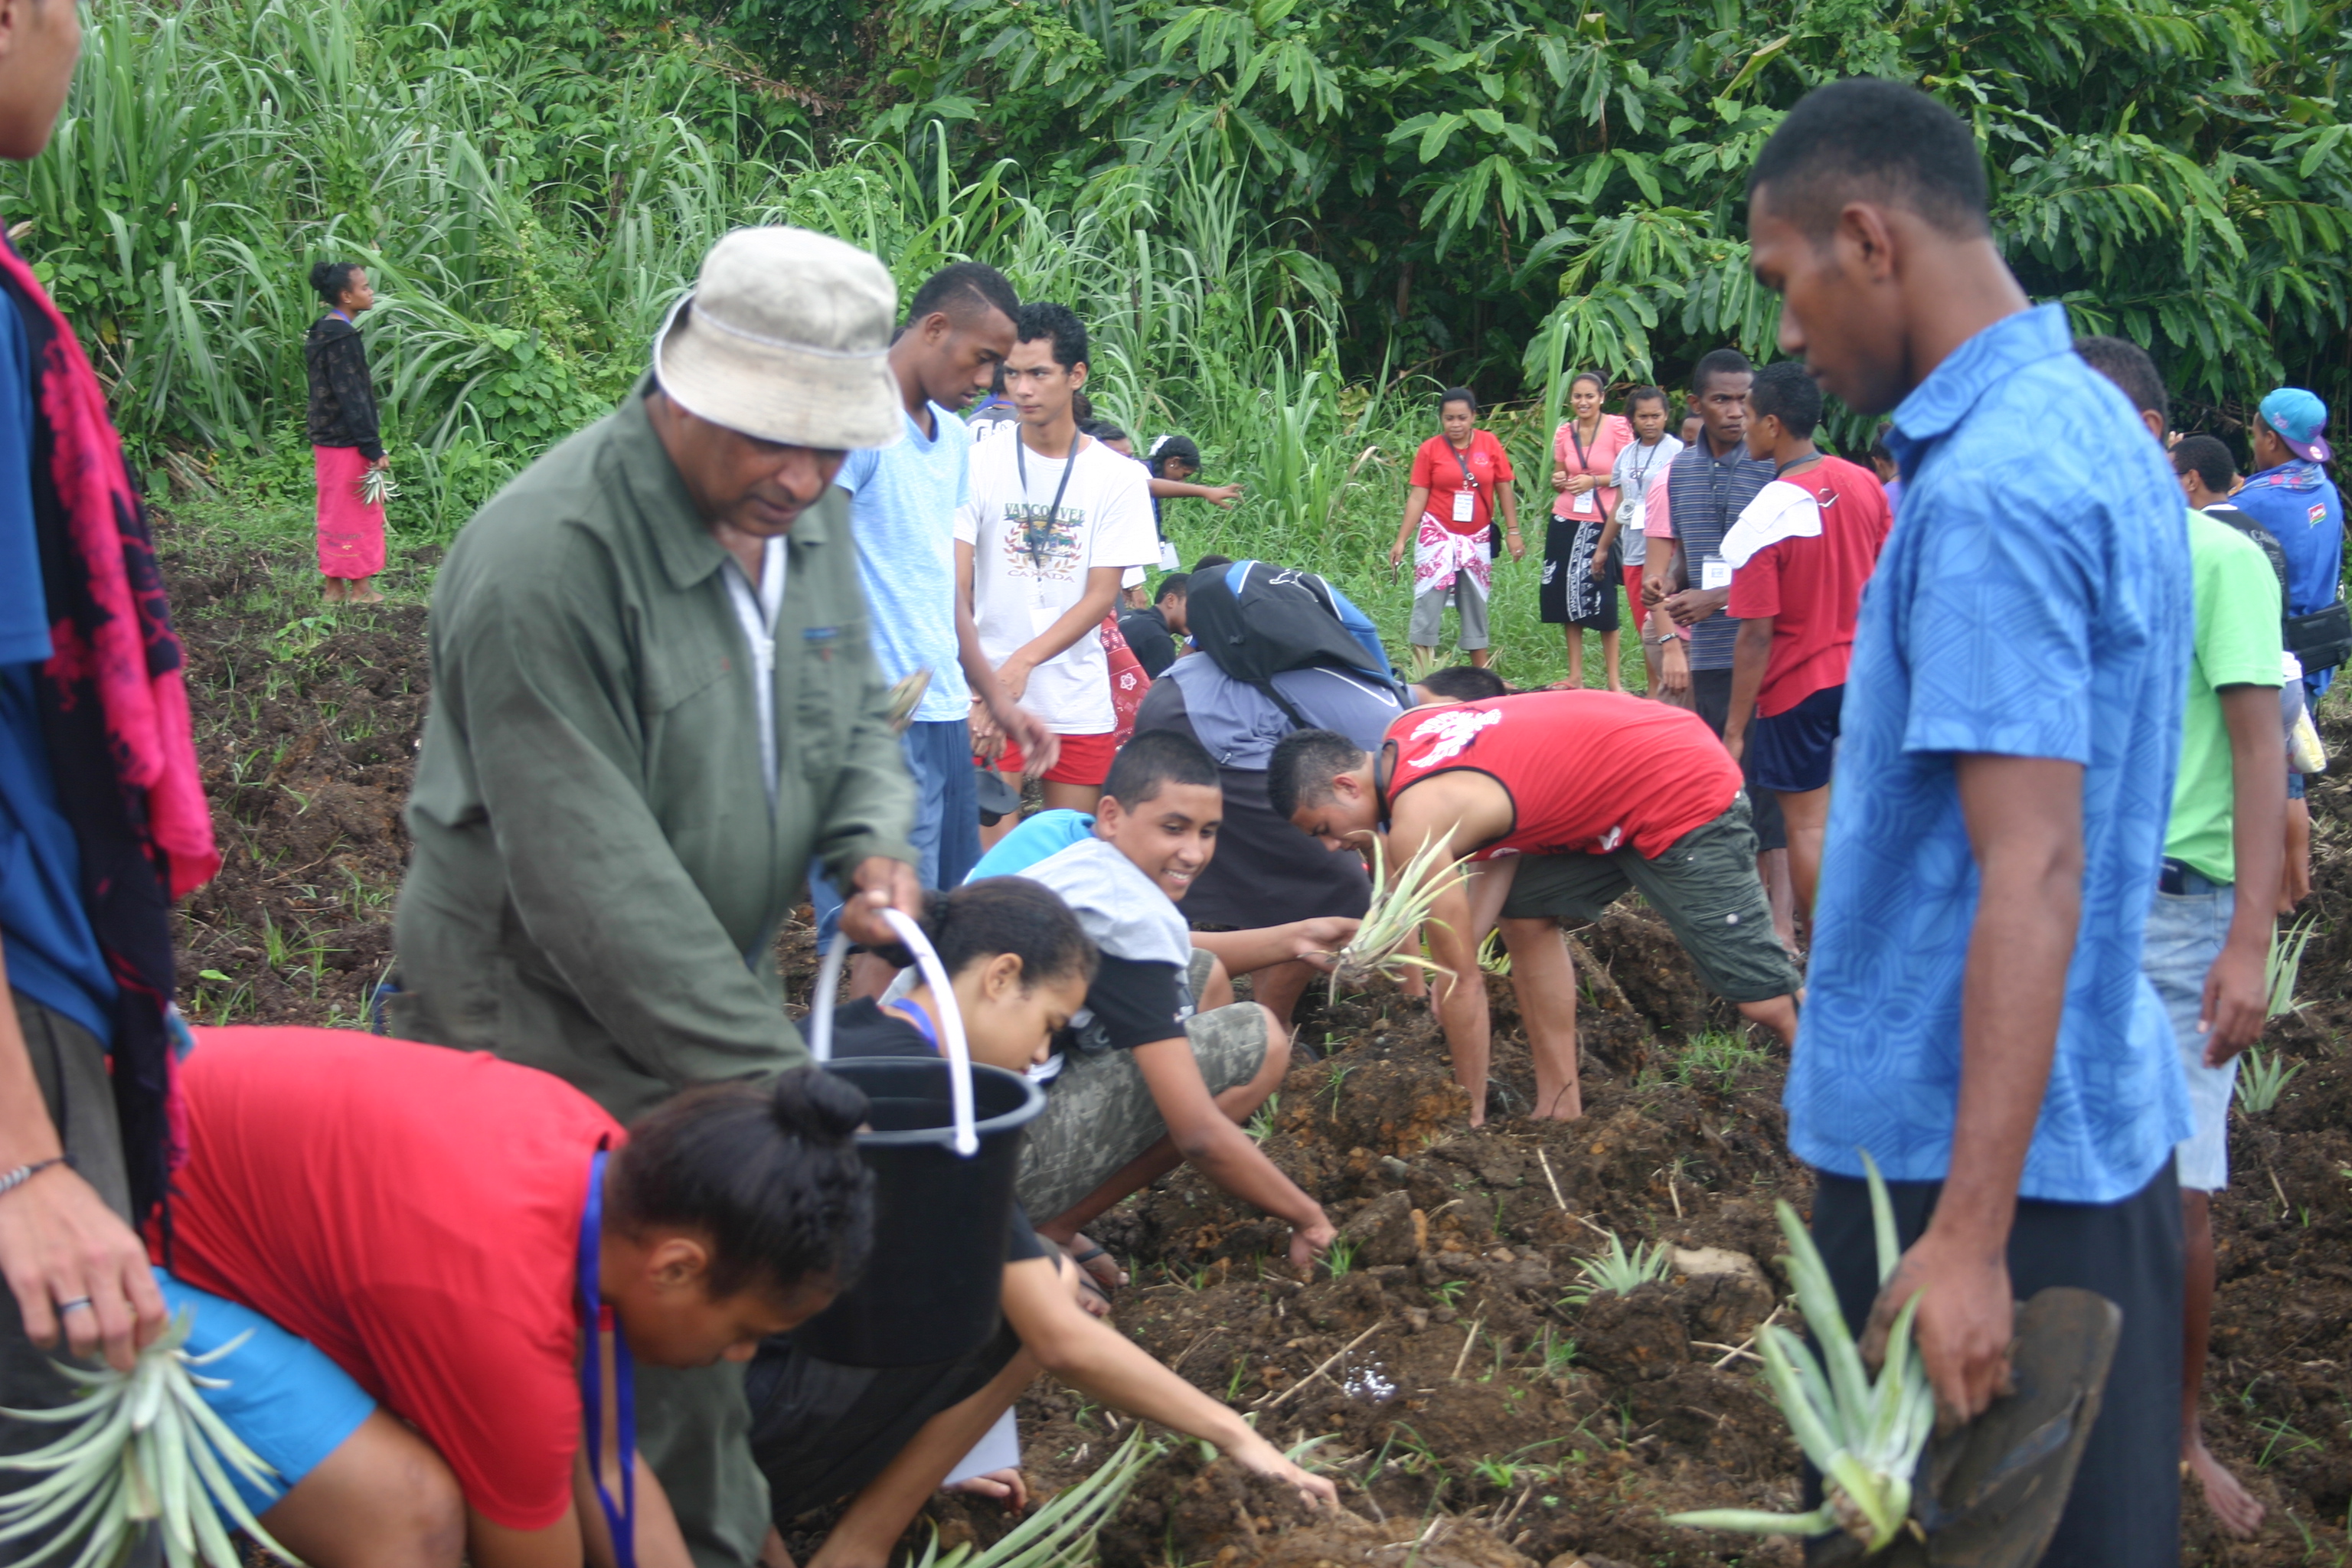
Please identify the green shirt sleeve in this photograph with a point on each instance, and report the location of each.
(593, 877)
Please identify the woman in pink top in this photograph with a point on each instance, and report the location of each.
(1581, 554)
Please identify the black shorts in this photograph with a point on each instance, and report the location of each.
(1551, 595)
(821, 1431)
(1704, 883)
(2125, 1510)
(1791, 752)
(1711, 695)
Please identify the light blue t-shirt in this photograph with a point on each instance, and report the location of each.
(903, 500)
(1977, 636)
(1044, 836)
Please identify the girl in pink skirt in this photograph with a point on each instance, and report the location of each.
(343, 437)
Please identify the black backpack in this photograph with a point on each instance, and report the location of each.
(1278, 619)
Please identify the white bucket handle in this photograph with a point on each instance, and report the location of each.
(935, 975)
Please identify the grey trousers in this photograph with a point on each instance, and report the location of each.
(69, 1064)
(1428, 627)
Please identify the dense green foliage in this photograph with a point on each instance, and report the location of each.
(1286, 220)
(2177, 171)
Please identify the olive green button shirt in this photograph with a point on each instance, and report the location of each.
(597, 879)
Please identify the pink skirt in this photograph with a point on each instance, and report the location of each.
(351, 531)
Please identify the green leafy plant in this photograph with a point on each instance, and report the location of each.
(2284, 966)
(1340, 1258)
(1716, 1058)
(144, 1448)
(1262, 1120)
(1618, 1272)
(1864, 1433)
(1060, 1533)
(1400, 907)
(2263, 1079)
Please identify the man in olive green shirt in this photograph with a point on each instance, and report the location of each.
(654, 704)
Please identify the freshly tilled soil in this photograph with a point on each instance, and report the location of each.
(1475, 1408)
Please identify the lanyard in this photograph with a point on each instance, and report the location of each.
(1029, 525)
(1581, 461)
(911, 1014)
(1461, 456)
(1640, 485)
(341, 315)
(621, 1521)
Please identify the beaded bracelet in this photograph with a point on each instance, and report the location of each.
(23, 1173)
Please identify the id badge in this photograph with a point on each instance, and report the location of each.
(1169, 560)
(1581, 503)
(1714, 571)
(1464, 501)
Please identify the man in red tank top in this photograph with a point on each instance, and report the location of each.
(1600, 792)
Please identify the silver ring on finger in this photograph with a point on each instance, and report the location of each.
(65, 1306)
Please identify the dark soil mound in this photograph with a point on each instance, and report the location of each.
(1477, 1409)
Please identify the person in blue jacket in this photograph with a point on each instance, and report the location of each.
(2290, 494)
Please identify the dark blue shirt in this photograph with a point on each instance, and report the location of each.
(1977, 636)
(2297, 502)
(45, 935)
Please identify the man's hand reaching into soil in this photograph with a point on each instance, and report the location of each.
(1310, 1242)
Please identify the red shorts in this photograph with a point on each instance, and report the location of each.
(1085, 760)
(1633, 592)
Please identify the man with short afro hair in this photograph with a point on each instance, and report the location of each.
(1977, 1020)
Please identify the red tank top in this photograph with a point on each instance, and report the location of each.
(1588, 772)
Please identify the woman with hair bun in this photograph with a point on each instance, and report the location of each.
(344, 441)
(1019, 964)
(450, 1265)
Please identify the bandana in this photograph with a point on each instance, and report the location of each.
(114, 710)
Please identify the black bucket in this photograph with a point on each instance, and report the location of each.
(931, 1290)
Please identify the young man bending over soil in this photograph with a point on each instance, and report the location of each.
(2208, 932)
(1162, 1065)
(1601, 792)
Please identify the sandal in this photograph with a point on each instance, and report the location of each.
(1083, 1252)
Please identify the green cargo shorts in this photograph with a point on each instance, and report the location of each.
(1704, 883)
(1099, 1114)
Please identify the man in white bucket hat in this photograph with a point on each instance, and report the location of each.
(653, 705)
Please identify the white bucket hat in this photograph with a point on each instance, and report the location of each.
(786, 338)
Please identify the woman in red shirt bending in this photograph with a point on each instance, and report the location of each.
(1580, 547)
(450, 1265)
(1449, 517)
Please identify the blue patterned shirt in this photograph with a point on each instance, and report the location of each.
(2033, 601)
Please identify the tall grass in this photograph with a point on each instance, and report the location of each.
(212, 151)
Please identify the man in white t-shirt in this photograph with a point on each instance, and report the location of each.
(1055, 518)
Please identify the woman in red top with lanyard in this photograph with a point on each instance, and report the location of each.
(1449, 521)
(425, 1244)
(1580, 548)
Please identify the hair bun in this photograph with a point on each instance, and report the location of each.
(323, 275)
(810, 1102)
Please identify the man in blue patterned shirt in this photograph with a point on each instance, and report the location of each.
(1977, 1018)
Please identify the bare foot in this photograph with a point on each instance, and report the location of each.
(362, 592)
(333, 591)
(2239, 1513)
(1005, 1486)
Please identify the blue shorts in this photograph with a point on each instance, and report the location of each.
(285, 1400)
(1792, 752)
(946, 830)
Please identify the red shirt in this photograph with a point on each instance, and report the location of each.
(1588, 772)
(415, 1213)
(1437, 467)
(1812, 587)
